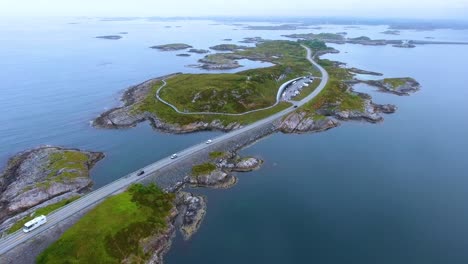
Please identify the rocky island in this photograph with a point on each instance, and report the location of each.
(112, 37)
(43, 176)
(199, 51)
(172, 47)
(398, 86)
(218, 172)
(228, 47)
(363, 40)
(391, 32)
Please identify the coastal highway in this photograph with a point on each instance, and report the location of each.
(11, 241)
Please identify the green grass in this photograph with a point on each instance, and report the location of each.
(218, 58)
(111, 232)
(335, 95)
(203, 169)
(71, 164)
(41, 211)
(230, 93)
(217, 154)
(63, 166)
(395, 82)
(167, 114)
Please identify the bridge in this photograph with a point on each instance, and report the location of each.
(11, 241)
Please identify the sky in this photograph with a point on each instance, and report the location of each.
(352, 8)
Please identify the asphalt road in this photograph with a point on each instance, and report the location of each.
(9, 242)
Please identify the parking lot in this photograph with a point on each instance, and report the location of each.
(295, 88)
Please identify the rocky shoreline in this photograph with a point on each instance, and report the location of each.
(124, 117)
(397, 86)
(171, 47)
(35, 177)
(221, 175)
(189, 209)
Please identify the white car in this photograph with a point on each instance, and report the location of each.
(174, 156)
(209, 141)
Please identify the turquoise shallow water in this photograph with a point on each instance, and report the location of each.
(393, 192)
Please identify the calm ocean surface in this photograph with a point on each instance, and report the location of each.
(394, 192)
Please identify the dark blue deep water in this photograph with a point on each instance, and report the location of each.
(394, 192)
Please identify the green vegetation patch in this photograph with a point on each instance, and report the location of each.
(227, 47)
(67, 164)
(41, 211)
(217, 154)
(203, 169)
(172, 46)
(230, 93)
(335, 95)
(395, 82)
(316, 45)
(63, 166)
(320, 36)
(112, 231)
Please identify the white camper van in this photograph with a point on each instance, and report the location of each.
(35, 223)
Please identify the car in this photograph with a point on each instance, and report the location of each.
(173, 156)
(209, 141)
(140, 173)
(295, 106)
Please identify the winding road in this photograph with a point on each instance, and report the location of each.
(280, 89)
(11, 241)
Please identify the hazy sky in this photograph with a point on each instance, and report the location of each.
(354, 8)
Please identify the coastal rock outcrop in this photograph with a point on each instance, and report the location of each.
(398, 86)
(301, 122)
(214, 179)
(247, 164)
(192, 209)
(159, 244)
(36, 176)
(370, 114)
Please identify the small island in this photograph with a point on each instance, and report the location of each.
(199, 51)
(111, 37)
(183, 55)
(228, 47)
(391, 32)
(277, 27)
(172, 47)
(41, 177)
(398, 86)
(363, 40)
(252, 40)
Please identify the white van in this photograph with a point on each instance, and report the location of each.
(35, 223)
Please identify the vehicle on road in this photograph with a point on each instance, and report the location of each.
(295, 106)
(140, 173)
(173, 156)
(209, 141)
(35, 223)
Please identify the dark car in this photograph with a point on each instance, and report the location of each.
(140, 173)
(295, 106)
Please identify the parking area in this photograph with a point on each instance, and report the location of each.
(295, 88)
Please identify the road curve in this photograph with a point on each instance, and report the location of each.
(280, 89)
(11, 241)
